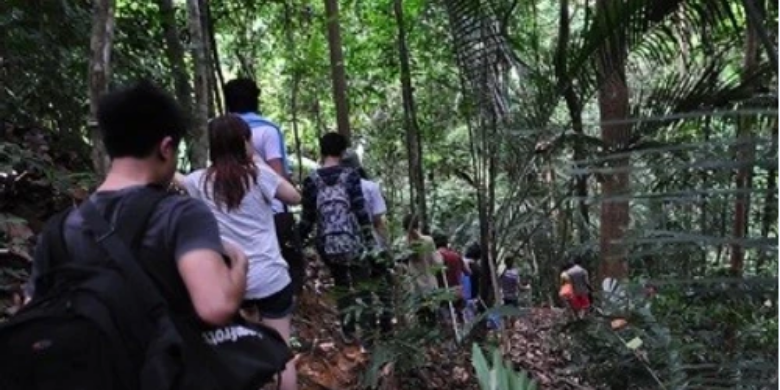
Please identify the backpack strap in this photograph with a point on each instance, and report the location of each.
(113, 242)
(54, 247)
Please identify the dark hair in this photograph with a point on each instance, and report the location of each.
(241, 96)
(363, 174)
(509, 262)
(411, 222)
(135, 119)
(232, 170)
(333, 145)
(440, 240)
(474, 251)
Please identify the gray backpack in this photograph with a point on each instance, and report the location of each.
(337, 228)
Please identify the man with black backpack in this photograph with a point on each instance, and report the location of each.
(333, 202)
(111, 277)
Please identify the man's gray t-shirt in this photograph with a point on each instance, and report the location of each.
(178, 225)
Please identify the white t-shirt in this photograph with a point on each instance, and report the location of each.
(251, 227)
(267, 144)
(375, 205)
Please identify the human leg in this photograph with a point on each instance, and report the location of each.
(275, 311)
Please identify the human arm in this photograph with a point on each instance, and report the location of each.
(357, 203)
(215, 286)
(274, 186)
(379, 209)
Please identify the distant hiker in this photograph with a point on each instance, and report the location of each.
(381, 265)
(242, 98)
(577, 276)
(422, 267)
(93, 325)
(239, 191)
(473, 258)
(333, 204)
(455, 269)
(510, 283)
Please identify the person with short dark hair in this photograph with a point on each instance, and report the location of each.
(239, 191)
(333, 203)
(198, 275)
(455, 269)
(242, 97)
(577, 278)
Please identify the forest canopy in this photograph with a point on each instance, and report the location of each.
(638, 135)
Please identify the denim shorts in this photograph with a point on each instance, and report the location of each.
(277, 305)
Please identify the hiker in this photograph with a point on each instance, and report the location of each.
(242, 98)
(510, 283)
(381, 265)
(454, 270)
(175, 240)
(333, 202)
(577, 276)
(472, 258)
(239, 191)
(422, 266)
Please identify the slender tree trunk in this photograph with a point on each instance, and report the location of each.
(769, 210)
(769, 214)
(703, 216)
(413, 144)
(215, 74)
(295, 82)
(103, 24)
(575, 113)
(211, 78)
(219, 83)
(745, 151)
(338, 76)
(175, 53)
(4, 108)
(613, 106)
(198, 147)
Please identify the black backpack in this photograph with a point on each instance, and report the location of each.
(88, 326)
(102, 324)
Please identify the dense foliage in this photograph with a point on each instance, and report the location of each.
(640, 134)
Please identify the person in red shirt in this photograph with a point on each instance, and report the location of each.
(455, 268)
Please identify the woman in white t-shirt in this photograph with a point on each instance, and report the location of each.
(239, 190)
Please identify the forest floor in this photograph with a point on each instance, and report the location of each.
(536, 345)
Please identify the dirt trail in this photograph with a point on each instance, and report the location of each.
(324, 363)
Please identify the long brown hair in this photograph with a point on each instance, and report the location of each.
(232, 169)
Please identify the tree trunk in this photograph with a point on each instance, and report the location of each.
(339, 79)
(769, 215)
(413, 144)
(218, 78)
(175, 53)
(198, 147)
(745, 151)
(4, 108)
(103, 24)
(214, 100)
(613, 106)
(575, 113)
